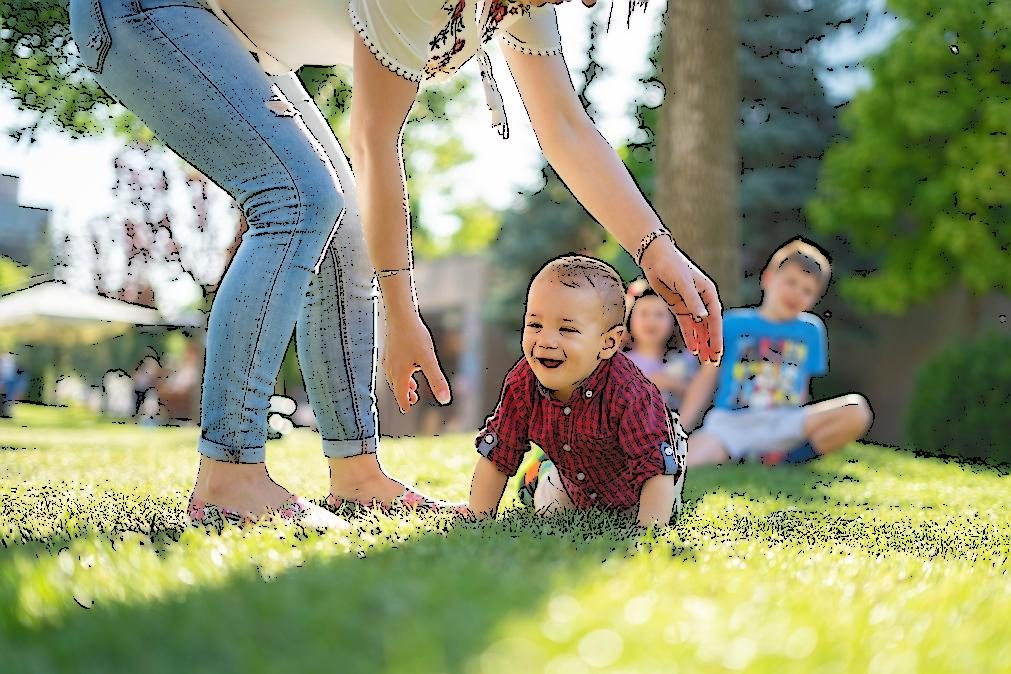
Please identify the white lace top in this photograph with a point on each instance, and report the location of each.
(421, 40)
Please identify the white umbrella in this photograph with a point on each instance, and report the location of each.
(55, 313)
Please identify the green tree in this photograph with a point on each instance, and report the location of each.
(786, 123)
(922, 178)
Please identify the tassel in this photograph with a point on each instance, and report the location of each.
(492, 95)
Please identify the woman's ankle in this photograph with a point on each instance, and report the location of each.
(236, 484)
(362, 478)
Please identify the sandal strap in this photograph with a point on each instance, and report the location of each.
(410, 499)
(201, 513)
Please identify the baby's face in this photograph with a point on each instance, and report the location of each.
(563, 333)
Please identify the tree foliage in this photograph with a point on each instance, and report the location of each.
(922, 178)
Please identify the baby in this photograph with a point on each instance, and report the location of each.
(609, 438)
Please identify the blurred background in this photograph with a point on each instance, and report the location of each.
(878, 130)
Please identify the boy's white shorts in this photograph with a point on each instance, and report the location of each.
(752, 433)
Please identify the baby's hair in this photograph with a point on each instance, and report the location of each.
(579, 271)
(807, 256)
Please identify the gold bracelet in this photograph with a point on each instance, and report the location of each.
(390, 272)
(647, 240)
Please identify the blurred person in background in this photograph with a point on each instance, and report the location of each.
(651, 333)
(12, 383)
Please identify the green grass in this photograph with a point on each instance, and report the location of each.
(868, 561)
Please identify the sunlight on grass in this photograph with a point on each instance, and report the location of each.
(872, 560)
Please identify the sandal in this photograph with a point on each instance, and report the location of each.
(294, 509)
(409, 500)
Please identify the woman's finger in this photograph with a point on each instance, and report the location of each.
(687, 326)
(436, 379)
(400, 392)
(714, 323)
(693, 301)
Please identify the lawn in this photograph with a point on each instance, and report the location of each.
(873, 560)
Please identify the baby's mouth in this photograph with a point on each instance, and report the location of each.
(549, 363)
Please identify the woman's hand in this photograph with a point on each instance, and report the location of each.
(408, 349)
(691, 295)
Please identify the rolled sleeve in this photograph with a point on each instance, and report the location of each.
(655, 443)
(504, 438)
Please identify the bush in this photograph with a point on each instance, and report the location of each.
(962, 402)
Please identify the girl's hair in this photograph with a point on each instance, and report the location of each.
(672, 342)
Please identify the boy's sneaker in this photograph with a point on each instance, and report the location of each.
(773, 458)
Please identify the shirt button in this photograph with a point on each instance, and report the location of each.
(580, 477)
(589, 394)
(567, 411)
(566, 448)
(593, 495)
(489, 438)
(668, 451)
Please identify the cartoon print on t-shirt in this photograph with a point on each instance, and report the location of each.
(768, 372)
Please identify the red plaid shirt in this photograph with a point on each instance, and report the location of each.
(612, 435)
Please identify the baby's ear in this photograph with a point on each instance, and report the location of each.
(611, 341)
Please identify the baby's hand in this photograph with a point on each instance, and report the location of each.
(464, 512)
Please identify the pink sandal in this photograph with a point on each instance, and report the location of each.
(294, 509)
(409, 500)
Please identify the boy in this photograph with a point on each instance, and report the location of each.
(772, 351)
(603, 425)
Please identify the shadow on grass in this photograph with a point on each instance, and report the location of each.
(812, 484)
(433, 603)
(797, 484)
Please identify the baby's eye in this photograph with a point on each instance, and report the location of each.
(535, 326)
(573, 330)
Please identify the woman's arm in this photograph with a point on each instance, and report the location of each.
(382, 101)
(596, 176)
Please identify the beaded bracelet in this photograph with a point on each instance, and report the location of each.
(647, 240)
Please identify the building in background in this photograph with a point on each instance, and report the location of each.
(24, 230)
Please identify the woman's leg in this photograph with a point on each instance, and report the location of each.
(335, 335)
(187, 77)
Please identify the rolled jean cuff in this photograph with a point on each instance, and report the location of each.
(345, 449)
(218, 452)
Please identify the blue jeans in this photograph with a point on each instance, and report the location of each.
(301, 267)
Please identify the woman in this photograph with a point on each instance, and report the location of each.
(250, 127)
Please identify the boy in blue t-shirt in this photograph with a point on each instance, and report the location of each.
(762, 387)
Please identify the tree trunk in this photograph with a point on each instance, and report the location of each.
(697, 163)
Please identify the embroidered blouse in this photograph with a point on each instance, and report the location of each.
(425, 41)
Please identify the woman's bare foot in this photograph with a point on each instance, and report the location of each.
(362, 479)
(245, 488)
